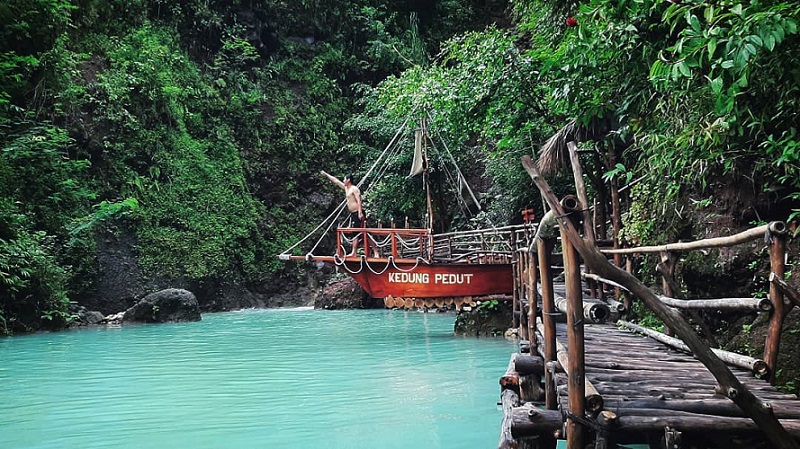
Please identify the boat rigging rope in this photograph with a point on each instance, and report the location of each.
(335, 214)
(455, 183)
(390, 145)
(453, 161)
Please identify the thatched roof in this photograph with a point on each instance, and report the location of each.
(554, 155)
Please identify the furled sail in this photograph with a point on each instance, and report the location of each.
(417, 166)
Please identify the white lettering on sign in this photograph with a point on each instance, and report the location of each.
(451, 278)
(424, 278)
(409, 278)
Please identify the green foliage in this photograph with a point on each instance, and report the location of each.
(642, 315)
(32, 283)
(40, 152)
(489, 305)
(479, 92)
(198, 125)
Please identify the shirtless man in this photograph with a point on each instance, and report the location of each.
(353, 196)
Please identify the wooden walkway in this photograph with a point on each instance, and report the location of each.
(638, 390)
(649, 393)
(604, 386)
(649, 386)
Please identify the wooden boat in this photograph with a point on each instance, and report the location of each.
(406, 264)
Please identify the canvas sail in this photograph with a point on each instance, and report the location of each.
(417, 166)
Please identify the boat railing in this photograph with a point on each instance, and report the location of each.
(493, 245)
(399, 243)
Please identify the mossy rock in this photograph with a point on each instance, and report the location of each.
(489, 319)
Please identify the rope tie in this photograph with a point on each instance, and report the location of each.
(419, 259)
(388, 264)
(339, 262)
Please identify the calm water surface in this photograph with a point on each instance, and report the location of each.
(281, 378)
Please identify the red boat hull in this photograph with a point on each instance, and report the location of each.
(411, 280)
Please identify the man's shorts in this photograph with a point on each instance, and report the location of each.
(354, 221)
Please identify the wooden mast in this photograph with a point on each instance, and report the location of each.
(426, 174)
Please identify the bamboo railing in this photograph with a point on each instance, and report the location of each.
(534, 275)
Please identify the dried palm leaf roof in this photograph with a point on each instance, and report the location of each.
(554, 155)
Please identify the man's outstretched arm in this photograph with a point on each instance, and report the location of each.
(333, 179)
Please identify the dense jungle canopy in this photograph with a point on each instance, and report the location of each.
(187, 136)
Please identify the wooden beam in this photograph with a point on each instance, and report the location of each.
(785, 410)
(757, 304)
(593, 399)
(583, 200)
(710, 424)
(529, 421)
(508, 400)
(756, 366)
(527, 364)
(717, 242)
(757, 410)
(616, 212)
(574, 364)
(787, 290)
(777, 254)
(544, 249)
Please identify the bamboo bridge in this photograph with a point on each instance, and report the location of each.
(585, 375)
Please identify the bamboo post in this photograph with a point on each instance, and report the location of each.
(607, 420)
(616, 217)
(365, 236)
(777, 233)
(575, 344)
(668, 264)
(531, 289)
(628, 298)
(593, 401)
(544, 250)
(523, 319)
(755, 408)
(516, 296)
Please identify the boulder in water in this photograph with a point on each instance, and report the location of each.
(345, 294)
(83, 316)
(170, 305)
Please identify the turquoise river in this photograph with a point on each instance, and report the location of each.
(278, 378)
